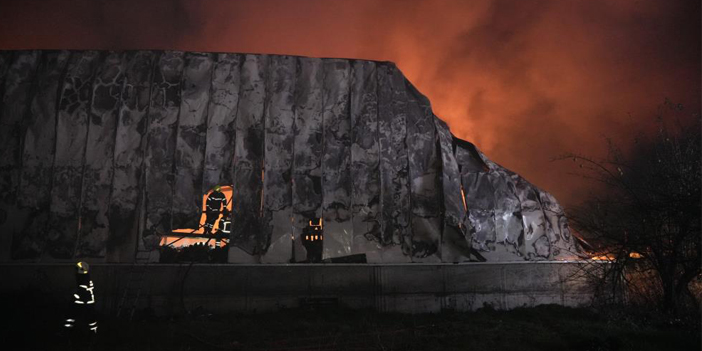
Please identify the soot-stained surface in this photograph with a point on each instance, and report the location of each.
(104, 152)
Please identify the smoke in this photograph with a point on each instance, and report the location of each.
(525, 81)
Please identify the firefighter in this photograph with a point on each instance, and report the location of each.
(216, 202)
(312, 241)
(82, 315)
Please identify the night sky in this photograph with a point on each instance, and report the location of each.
(526, 81)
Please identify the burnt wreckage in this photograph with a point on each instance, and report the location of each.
(103, 152)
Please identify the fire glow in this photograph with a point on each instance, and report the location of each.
(182, 241)
(548, 77)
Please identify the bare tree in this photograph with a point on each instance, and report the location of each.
(646, 221)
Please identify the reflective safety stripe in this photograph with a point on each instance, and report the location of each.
(83, 286)
(91, 302)
(92, 295)
(92, 324)
(76, 296)
(94, 329)
(79, 302)
(70, 320)
(68, 325)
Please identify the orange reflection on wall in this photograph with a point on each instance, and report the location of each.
(227, 190)
(463, 196)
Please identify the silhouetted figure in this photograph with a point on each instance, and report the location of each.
(81, 319)
(313, 241)
(216, 201)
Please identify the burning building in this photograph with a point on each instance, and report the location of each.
(103, 153)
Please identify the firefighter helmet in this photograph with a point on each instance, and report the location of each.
(82, 267)
(217, 188)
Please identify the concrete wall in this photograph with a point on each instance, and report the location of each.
(409, 288)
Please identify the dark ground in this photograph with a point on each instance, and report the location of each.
(33, 325)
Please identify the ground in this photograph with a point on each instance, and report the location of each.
(547, 327)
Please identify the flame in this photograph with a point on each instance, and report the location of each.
(612, 257)
(463, 195)
(608, 258)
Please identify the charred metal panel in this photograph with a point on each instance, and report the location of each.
(478, 198)
(190, 149)
(10, 217)
(509, 228)
(454, 245)
(365, 205)
(453, 203)
(389, 233)
(480, 201)
(536, 243)
(71, 137)
(424, 178)
(495, 231)
(336, 159)
(19, 89)
(99, 152)
(551, 212)
(461, 154)
(127, 182)
(159, 157)
(387, 205)
(5, 63)
(248, 156)
(468, 157)
(562, 242)
(221, 116)
(455, 236)
(38, 156)
(279, 139)
(307, 149)
(10, 138)
(400, 217)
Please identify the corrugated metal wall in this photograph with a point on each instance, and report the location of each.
(101, 152)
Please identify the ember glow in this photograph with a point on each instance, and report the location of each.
(613, 257)
(524, 81)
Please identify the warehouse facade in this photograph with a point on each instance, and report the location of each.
(102, 153)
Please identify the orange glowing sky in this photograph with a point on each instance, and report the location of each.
(525, 81)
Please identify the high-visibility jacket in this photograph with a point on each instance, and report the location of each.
(85, 295)
(83, 302)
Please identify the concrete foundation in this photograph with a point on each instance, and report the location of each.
(407, 288)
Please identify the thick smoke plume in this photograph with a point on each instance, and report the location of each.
(525, 81)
